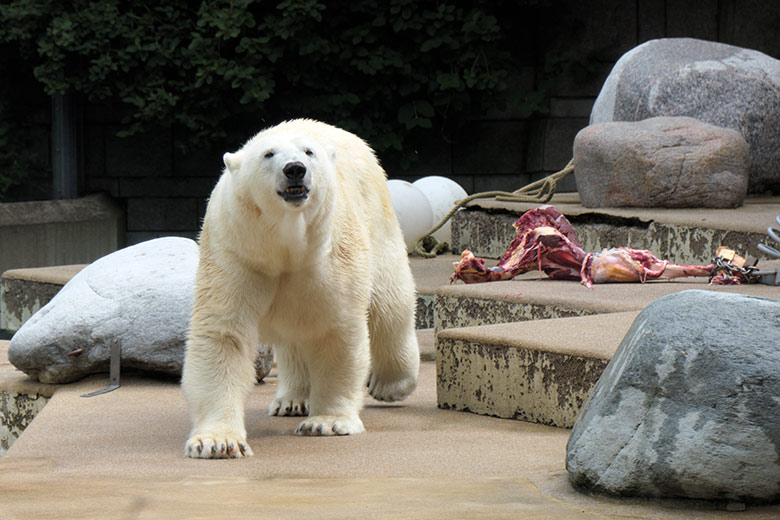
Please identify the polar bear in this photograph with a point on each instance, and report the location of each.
(300, 249)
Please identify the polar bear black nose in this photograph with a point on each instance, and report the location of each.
(294, 171)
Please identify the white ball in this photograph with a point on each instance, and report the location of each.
(412, 210)
(442, 193)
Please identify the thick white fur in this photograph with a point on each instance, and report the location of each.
(326, 282)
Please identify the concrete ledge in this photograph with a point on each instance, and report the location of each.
(16, 413)
(454, 311)
(536, 371)
(24, 291)
(424, 315)
(429, 275)
(13, 381)
(679, 235)
(528, 298)
(533, 349)
(21, 399)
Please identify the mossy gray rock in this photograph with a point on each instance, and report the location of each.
(689, 406)
(140, 296)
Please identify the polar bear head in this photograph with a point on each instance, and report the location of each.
(283, 170)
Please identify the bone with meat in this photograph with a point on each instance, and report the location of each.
(547, 242)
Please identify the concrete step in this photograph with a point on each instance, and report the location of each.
(24, 291)
(429, 275)
(533, 349)
(21, 399)
(537, 371)
(680, 235)
(529, 298)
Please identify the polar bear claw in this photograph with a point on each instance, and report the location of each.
(327, 425)
(217, 446)
(289, 407)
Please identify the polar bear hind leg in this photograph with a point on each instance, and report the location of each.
(395, 354)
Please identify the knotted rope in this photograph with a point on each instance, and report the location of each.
(540, 191)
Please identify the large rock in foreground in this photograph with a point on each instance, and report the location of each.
(671, 162)
(140, 295)
(689, 406)
(716, 83)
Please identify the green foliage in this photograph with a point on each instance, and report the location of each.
(13, 165)
(20, 122)
(382, 69)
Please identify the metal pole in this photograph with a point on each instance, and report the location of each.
(64, 137)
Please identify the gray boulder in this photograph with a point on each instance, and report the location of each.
(716, 83)
(140, 295)
(689, 406)
(672, 162)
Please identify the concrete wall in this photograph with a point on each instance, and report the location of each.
(59, 232)
(163, 191)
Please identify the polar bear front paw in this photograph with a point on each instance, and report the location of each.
(290, 407)
(326, 425)
(217, 446)
(391, 391)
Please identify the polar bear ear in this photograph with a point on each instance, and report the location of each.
(232, 162)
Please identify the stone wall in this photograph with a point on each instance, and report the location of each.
(164, 191)
(59, 232)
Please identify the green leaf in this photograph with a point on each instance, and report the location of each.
(449, 81)
(430, 44)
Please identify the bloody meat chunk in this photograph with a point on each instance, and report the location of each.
(547, 242)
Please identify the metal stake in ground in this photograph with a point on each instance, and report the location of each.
(113, 371)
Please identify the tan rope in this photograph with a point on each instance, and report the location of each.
(540, 191)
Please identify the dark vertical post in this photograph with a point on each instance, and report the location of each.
(64, 137)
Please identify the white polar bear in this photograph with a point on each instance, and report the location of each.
(301, 250)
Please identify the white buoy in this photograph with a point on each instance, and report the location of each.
(442, 193)
(412, 210)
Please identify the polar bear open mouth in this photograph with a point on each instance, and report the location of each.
(297, 193)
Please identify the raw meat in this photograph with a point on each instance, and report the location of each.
(546, 241)
(624, 264)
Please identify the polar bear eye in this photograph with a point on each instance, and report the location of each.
(309, 152)
(268, 155)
